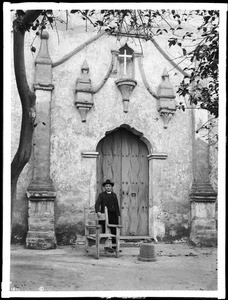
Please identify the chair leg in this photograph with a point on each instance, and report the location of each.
(117, 242)
(86, 247)
(97, 251)
(97, 248)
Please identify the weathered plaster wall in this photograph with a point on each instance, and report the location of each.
(74, 176)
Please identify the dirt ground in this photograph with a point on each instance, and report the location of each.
(177, 267)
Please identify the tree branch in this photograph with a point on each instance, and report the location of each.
(27, 97)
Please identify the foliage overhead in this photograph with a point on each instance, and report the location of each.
(194, 32)
(200, 86)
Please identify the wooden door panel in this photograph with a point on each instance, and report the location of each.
(128, 174)
(134, 190)
(99, 168)
(109, 162)
(116, 149)
(123, 159)
(134, 178)
(126, 200)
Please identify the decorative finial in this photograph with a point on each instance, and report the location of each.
(43, 65)
(84, 92)
(166, 99)
(165, 73)
(85, 66)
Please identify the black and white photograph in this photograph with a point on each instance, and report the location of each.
(114, 123)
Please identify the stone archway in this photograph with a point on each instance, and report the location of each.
(123, 158)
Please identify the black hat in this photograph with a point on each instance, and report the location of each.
(108, 182)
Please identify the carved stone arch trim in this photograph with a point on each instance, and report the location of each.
(151, 147)
(123, 159)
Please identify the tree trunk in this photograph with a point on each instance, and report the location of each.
(27, 98)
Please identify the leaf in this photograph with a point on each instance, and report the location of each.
(172, 41)
(206, 19)
(184, 51)
(50, 19)
(33, 49)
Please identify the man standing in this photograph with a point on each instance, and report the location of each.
(109, 199)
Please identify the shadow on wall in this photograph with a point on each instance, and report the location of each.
(20, 221)
(176, 233)
(66, 234)
(18, 234)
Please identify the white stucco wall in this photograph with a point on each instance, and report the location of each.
(74, 176)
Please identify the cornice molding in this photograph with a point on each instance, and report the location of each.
(89, 154)
(160, 155)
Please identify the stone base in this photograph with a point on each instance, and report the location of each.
(203, 215)
(41, 240)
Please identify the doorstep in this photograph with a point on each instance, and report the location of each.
(135, 240)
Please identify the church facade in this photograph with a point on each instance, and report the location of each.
(107, 108)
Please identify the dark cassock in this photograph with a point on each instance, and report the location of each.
(110, 201)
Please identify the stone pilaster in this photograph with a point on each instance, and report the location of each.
(90, 158)
(41, 193)
(202, 195)
(156, 165)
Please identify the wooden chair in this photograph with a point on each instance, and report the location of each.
(94, 235)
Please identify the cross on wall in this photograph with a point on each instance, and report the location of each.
(125, 56)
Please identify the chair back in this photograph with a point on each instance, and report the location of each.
(91, 218)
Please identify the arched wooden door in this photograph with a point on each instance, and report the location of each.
(123, 159)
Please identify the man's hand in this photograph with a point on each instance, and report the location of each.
(99, 214)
